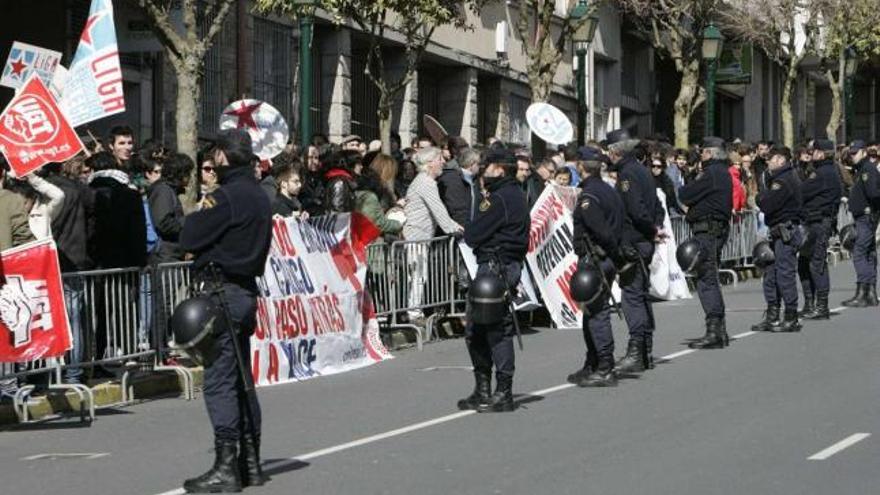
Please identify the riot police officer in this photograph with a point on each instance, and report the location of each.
(821, 190)
(230, 240)
(499, 236)
(640, 230)
(782, 205)
(709, 198)
(864, 204)
(598, 221)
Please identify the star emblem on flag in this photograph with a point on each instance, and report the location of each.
(18, 67)
(90, 24)
(245, 115)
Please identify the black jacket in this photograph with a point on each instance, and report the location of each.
(864, 196)
(710, 195)
(781, 201)
(339, 193)
(119, 239)
(454, 192)
(284, 206)
(236, 232)
(598, 218)
(821, 190)
(533, 187)
(664, 183)
(312, 194)
(167, 214)
(72, 225)
(643, 210)
(501, 225)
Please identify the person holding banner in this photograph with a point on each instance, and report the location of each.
(499, 236)
(230, 239)
(709, 199)
(643, 215)
(598, 220)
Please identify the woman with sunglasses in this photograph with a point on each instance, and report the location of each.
(664, 183)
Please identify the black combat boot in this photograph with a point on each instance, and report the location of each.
(603, 376)
(870, 295)
(821, 311)
(648, 351)
(809, 305)
(223, 477)
(502, 399)
(716, 336)
(249, 468)
(633, 361)
(771, 320)
(790, 323)
(580, 374)
(858, 300)
(482, 393)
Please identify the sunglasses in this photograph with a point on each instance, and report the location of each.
(656, 166)
(208, 169)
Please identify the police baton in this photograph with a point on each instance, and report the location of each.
(247, 379)
(498, 269)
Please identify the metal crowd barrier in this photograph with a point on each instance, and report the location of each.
(737, 251)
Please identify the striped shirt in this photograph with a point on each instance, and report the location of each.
(424, 210)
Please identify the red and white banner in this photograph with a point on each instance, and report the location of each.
(34, 131)
(551, 255)
(33, 317)
(314, 316)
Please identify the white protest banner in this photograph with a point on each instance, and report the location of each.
(526, 300)
(667, 279)
(551, 255)
(93, 89)
(24, 60)
(314, 316)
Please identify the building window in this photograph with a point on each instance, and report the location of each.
(273, 65)
(217, 86)
(364, 99)
(519, 127)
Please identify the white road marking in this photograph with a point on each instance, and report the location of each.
(837, 447)
(839, 309)
(742, 335)
(670, 357)
(551, 389)
(71, 455)
(435, 368)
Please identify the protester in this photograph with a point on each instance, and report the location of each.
(312, 194)
(165, 207)
(207, 173)
(736, 171)
(454, 191)
(340, 181)
(470, 168)
(531, 185)
(289, 184)
(371, 196)
(386, 169)
(406, 173)
(352, 142)
(562, 177)
(43, 201)
(122, 145)
(119, 238)
(665, 184)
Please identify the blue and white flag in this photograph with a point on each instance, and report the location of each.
(25, 60)
(93, 89)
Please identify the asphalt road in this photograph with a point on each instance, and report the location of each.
(742, 420)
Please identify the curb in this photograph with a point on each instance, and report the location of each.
(52, 403)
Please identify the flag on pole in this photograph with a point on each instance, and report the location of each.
(93, 89)
(34, 131)
(24, 60)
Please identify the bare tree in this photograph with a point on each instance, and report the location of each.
(785, 30)
(186, 51)
(675, 28)
(415, 20)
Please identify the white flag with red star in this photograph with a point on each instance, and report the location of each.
(263, 122)
(25, 60)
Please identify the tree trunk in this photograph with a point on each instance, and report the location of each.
(785, 106)
(836, 108)
(540, 94)
(187, 116)
(384, 115)
(686, 102)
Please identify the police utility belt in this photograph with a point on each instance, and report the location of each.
(784, 231)
(709, 226)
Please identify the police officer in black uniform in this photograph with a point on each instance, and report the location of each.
(782, 205)
(644, 215)
(821, 190)
(598, 221)
(709, 198)
(499, 236)
(864, 204)
(230, 241)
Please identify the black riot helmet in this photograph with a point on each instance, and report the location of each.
(488, 299)
(689, 254)
(762, 254)
(194, 323)
(848, 237)
(585, 285)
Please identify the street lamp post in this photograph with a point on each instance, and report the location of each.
(582, 38)
(713, 41)
(306, 24)
(850, 66)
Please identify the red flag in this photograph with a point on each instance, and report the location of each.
(34, 131)
(33, 317)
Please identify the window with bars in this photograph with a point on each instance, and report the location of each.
(364, 99)
(519, 127)
(274, 65)
(217, 87)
